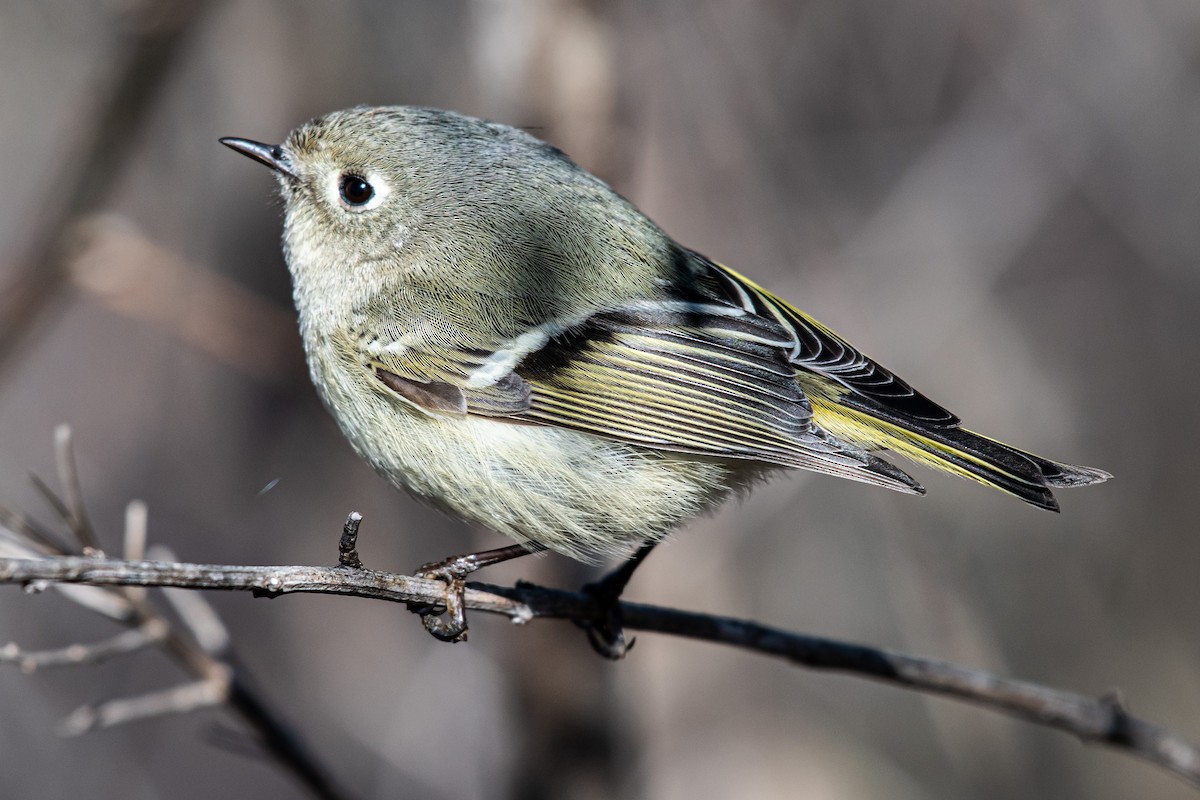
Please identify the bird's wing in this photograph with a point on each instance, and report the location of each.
(690, 372)
(830, 367)
(861, 402)
(716, 365)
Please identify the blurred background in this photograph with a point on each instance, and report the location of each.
(999, 200)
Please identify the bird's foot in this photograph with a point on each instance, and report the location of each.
(606, 633)
(450, 623)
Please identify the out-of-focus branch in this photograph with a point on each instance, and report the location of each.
(134, 277)
(175, 700)
(154, 31)
(199, 643)
(76, 515)
(129, 641)
(1100, 720)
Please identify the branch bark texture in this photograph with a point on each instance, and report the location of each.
(1101, 720)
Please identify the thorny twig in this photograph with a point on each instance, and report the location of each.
(1102, 720)
(76, 515)
(199, 644)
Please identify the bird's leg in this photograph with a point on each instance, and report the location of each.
(451, 626)
(608, 635)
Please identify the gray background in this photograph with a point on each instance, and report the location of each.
(996, 199)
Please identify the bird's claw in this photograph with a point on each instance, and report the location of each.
(606, 633)
(450, 624)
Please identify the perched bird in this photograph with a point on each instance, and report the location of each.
(500, 333)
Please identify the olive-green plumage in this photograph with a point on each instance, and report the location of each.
(500, 333)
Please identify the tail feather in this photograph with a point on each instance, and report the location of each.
(1065, 475)
(959, 451)
(991, 463)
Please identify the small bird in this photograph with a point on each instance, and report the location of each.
(503, 335)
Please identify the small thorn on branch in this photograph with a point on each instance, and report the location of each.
(68, 475)
(17, 527)
(347, 547)
(134, 548)
(52, 499)
(135, 530)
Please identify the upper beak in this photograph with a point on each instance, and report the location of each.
(270, 154)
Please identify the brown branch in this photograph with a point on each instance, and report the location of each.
(119, 268)
(199, 645)
(1101, 720)
(153, 35)
(175, 700)
(149, 633)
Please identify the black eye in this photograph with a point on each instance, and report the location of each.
(355, 190)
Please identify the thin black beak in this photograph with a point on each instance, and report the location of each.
(270, 154)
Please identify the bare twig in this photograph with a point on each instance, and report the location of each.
(136, 516)
(52, 499)
(1100, 720)
(145, 635)
(348, 545)
(176, 700)
(200, 646)
(15, 527)
(76, 515)
(134, 548)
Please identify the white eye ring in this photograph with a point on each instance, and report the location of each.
(358, 192)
